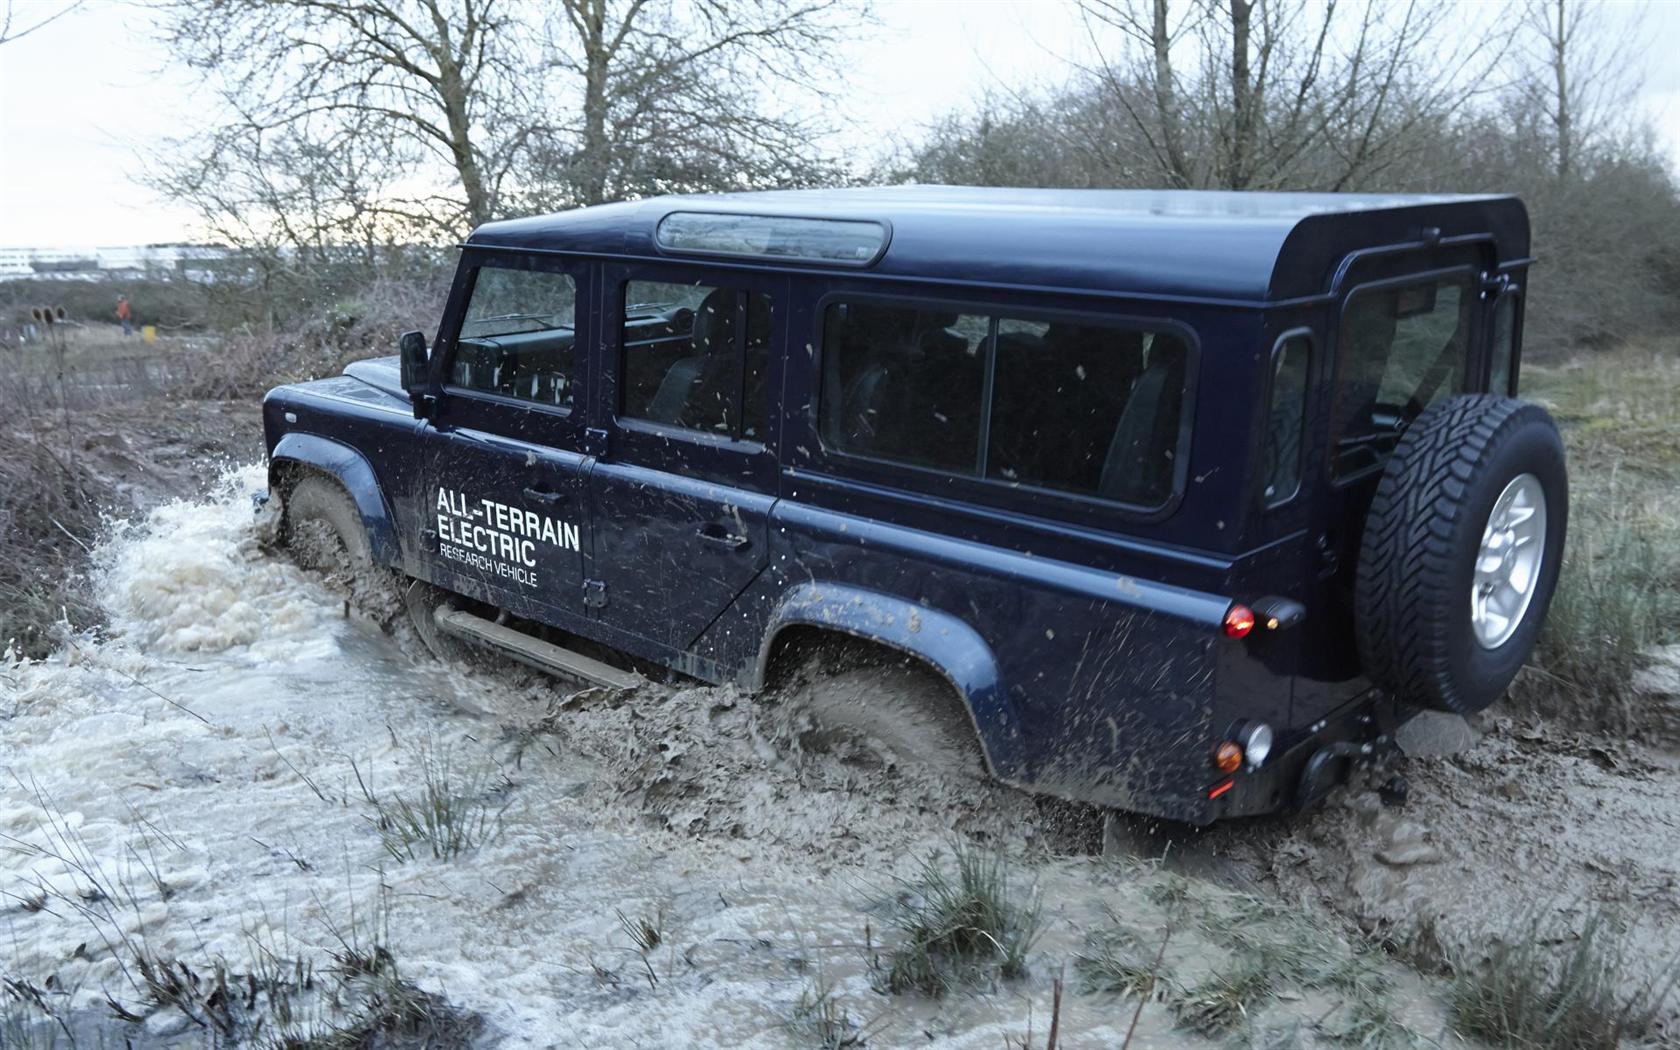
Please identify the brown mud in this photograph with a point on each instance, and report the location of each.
(1524, 822)
(1524, 817)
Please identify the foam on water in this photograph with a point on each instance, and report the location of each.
(199, 778)
(194, 577)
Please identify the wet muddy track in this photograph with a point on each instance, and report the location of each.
(231, 723)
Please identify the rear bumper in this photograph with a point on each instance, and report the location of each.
(1358, 731)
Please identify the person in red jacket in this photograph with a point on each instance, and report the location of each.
(124, 314)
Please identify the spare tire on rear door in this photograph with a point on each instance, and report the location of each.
(1461, 551)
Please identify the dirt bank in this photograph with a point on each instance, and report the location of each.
(65, 474)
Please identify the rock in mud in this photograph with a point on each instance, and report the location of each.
(1407, 845)
(1432, 734)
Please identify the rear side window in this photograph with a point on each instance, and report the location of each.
(1280, 466)
(904, 384)
(517, 337)
(1086, 408)
(1400, 349)
(696, 357)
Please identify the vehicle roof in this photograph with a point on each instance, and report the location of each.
(1204, 244)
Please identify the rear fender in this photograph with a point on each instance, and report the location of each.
(352, 470)
(947, 644)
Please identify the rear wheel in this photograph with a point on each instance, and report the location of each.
(1461, 552)
(878, 708)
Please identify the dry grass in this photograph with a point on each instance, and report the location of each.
(454, 810)
(1231, 958)
(1542, 987)
(248, 362)
(1619, 594)
(819, 1020)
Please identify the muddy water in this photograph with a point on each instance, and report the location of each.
(195, 784)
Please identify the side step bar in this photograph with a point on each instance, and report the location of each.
(544, 656)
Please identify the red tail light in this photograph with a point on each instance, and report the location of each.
(1239, 620)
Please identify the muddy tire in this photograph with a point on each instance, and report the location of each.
(323, 530)
(1461, 552)
(422, 600)
(879, 709)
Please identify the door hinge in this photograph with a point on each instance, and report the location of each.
(595, 441)
(594, 594)
(1328, 561)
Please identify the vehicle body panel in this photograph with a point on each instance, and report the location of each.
(1085, 636)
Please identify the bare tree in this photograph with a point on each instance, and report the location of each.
(1260, 94)
(1586, 65)
(475, 108)
(449, 76)
(673, 95)
(11, 28)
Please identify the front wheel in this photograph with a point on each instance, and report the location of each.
(323, 530)
(1461, 552)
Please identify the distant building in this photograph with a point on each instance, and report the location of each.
(197, 262)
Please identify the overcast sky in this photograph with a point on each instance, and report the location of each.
(81, 99)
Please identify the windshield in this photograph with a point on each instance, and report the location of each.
(514, 302)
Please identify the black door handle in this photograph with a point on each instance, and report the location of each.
(543, 495)
(712, 532)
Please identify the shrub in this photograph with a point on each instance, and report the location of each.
(50, 515)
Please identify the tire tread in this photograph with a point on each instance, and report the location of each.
(1405, 583)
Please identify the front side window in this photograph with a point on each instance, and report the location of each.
(1080, 407)
(696, 357)
(1400, 349)
(1280, 465)
(517, 337)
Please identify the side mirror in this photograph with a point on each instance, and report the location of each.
(411, 348)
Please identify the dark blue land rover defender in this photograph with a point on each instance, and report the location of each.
(1186, 498)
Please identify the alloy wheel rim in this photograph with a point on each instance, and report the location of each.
(1509, 561)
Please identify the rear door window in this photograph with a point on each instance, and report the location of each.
(1400, 349)
(1089, 408)
(518, 335)
(1504, 345)
(697, 357)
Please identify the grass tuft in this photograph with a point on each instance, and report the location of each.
(454, 812)
(1542, 988)
(644, 932)
(1116, 961)
(819, 1020)
(961, 925)
(1222, 1001)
